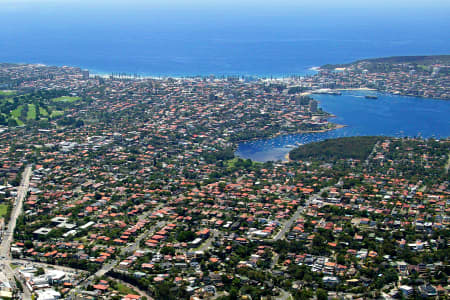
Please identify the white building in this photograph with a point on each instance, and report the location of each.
(48, 294)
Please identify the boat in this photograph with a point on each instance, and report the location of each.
(370, 97)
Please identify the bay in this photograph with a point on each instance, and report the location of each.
(389, 115)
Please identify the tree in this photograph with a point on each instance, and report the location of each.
(185, 236)
(321, 294)
(12, 122)
(167, 250)
(40, 271)
(233, 294)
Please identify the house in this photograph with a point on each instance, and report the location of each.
(48, 294)
(330, 280)
(427, 290)
(131, 297)
(406, 290)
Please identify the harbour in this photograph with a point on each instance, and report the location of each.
(389, 115)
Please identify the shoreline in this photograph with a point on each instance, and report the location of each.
(336, 126)
(185, 77)
(357, 89)
(287, 158)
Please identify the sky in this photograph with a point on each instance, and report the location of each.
(256, 5)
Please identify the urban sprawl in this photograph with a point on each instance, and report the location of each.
(119, 187)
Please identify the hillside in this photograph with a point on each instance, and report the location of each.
(424, 60)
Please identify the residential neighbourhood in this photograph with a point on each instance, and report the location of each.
(134, 192)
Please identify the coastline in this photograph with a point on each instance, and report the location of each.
(357, 89)
(336, 126)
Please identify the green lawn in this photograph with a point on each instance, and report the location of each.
(232, 162)
(7, 93)
(10, 100)
(56, 113)
(31, 113)
(43, 112)
(3, 210)
(16, 113)
(66, 99)
(19, 122)
(124, 289)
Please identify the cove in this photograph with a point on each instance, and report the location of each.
(389, 115)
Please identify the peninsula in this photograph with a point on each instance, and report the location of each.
(421, 76)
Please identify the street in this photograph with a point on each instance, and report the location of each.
(5, 254)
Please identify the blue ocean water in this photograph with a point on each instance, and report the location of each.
(389, 115)
(246, 37)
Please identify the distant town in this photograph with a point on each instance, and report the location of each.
(421, 76)
(121, 187)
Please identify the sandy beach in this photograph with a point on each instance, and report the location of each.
(356, 89)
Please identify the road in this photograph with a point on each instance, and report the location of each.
(136, 244)
(372, 153)
(45, 265)
(447, 166)
(128, 249)
(288, 224)
(5, 254)
(79, 272)
(140, 292)
(207, 244)
(17, 209)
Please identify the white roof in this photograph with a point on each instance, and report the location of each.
(55, 274)
(48, 294)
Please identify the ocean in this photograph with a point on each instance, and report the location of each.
(189, 38)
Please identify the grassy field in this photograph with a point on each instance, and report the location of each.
(124, 289)
(56, 113)
(19, 122)
(29, 108)
(66, 99)
(7, 93)
(235, 162)
(31, 113)
(16, 113)
(3, 210)
(43, 112)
